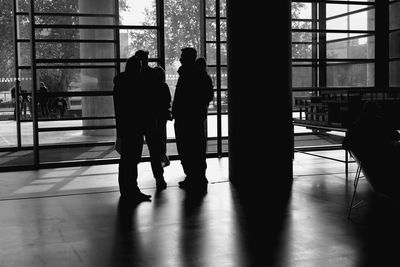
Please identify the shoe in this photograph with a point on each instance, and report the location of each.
(189, 184)
(161, 184)
(165, 161)
(136, 197)
(184, 183)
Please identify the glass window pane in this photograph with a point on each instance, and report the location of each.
(302, 76)
(73, 20)
(222, 8)
(71, 79)
(182, 29)
(210, 8)
(301, 37)
(74, 34)
(24, 54)
(211, 30)
(357, 21)
(223, 30)
(82, 7)
(394, 44)
(394, 16)
(394, 69)
(133, 40)
(62, 50)
(301, 10)
(23, 5)
(348, 74)
(211, 54)
(351, 48)
(301, 50)
(23, 25)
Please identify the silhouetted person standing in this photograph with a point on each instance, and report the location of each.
(14, 101)
(154, 82)
(164, 115)
(59, 106)
(44, 99)
(135, 120)
(193, 93)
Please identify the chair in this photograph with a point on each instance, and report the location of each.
(355, 183)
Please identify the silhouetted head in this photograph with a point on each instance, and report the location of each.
(201, 63)
(188, 56)
(42, 84)
(143, 56)
(133, 65)
(161, 72)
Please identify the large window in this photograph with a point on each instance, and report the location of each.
(75, 48)
(333, 55)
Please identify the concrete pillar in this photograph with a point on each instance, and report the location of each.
(97, 79)
(259, 84)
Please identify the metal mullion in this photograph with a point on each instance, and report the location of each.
(65, 14)
(344, 88)
(75, 67)
(92, 26)
(73, 41)
(16, 63)
(218, 62)
(35, 135)
(150, 60)
(332, 60)
(80, 93)
(75, 128)
(21, 13)
(214, 65)
(349, 38)
(76, 60)
(135, 27)
(76, 118)
(338, 2)
(214, 17)
(302, 20)
(333, 31)
(117, 40)
(302, 65)
(303, 43)
(22, 40)
(394, 30)
(315, 44)
(160, 33)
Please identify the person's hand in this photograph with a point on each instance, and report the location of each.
(117, 145)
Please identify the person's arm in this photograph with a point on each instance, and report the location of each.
(210, 89)
(117, 107)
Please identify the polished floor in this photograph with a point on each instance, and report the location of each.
(73, 217)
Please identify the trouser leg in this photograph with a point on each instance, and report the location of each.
(182, 145)
(131, 150)
(154, 145)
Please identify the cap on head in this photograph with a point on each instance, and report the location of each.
(142, 54)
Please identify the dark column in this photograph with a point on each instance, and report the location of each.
(259, 84)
